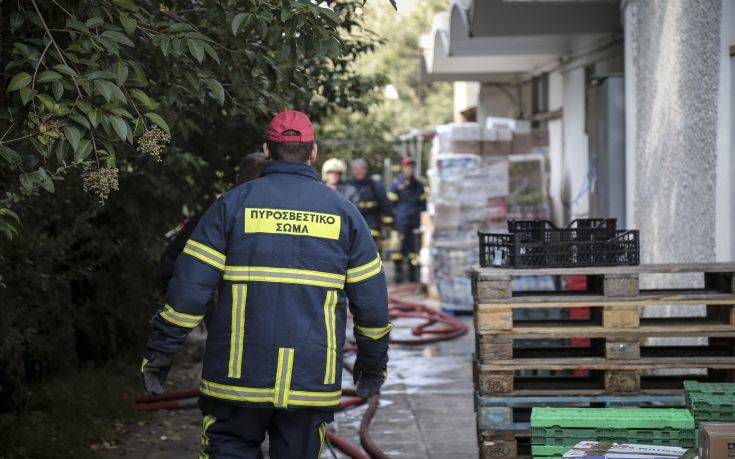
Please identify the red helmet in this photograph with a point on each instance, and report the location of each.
(407, 161)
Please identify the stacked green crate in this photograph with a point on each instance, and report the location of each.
(710, 401)
(555, 430)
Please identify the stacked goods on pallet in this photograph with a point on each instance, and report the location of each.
(595, 449)
(618, 364)
(710, 402)
(555, 430)
(476, 181)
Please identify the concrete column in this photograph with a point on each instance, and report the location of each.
(575, 184)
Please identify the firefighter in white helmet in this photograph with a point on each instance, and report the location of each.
(333, 173)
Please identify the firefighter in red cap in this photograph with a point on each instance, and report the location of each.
(409, 199)
(285, 253)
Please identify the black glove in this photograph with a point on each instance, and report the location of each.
(154, 369)
(368, 380)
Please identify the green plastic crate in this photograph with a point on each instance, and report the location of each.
(719, 389)
(549, 451)
(620, 418)
(706, 407)
(563, 436)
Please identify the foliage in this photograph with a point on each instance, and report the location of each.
(71, 415)
(373, 134)
(158, 100)
(85, 79)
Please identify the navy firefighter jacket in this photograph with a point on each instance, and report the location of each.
(370, 198)
(409, 200)
(286, 253)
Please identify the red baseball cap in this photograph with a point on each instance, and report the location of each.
(407, 160)
(291, 121)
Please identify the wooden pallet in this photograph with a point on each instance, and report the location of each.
(506, 444)
(609, 346)
(618, 355)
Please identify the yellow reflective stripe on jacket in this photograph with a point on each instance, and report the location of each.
(367, 204)
(143, 364)
(374, 233)
(392, 196)
(374, 332)
(304, 398)
(179, 318)
(387, 219)
(236, 393)
(330, 324)
(206, 254)
(283, 275)
(266, 395)
(365, 271)
(237, 330)
(283, 377)
(322, 437)
(396, 256)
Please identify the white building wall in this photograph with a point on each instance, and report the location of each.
(466, 95)
(675, 46)
(725, 191)
(575, 189)
(556, 148)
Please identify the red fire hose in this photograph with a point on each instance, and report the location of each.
(453, 328)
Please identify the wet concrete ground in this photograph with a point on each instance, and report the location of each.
(426, 408)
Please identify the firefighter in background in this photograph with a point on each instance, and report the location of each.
(371, 199)
(333, 173)
(409, 199)
(288, 256)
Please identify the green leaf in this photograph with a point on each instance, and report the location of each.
(85, 149)
(48, 75)
(46, 181)
(237, 22)
(9, 213)
(73, 136)
(330, 15)
(80, 119)
(77, 25)
(108, 90)
(165, 45)
(159, 121)
(217, 90)
(120, 126)
(286, 13)
(58, 89)
(19, 81)
(94, 22)
(121, 72)
(127, 4)
(94, 117)
(66, 70)
(117, 37)
(212, 53)
(128, 23)
(26, 94)
(28, 180)
(46, 101)
(10, 155)
(196, 49)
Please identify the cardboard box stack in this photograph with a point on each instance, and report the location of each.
(480, 175)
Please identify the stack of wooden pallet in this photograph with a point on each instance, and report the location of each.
(616, 369)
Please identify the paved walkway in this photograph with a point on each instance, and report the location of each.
(425, 411)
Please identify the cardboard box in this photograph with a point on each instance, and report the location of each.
(607, 450)
(716, 440)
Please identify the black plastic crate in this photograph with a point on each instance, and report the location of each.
(582, 229)
(517, 250)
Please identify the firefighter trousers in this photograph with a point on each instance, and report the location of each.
(236, 432)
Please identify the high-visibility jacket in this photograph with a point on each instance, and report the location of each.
(373, 203)
(286, 254)
(409, 200)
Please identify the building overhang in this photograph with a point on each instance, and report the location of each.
(502, 40)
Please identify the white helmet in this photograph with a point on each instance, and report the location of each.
(333, 165)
